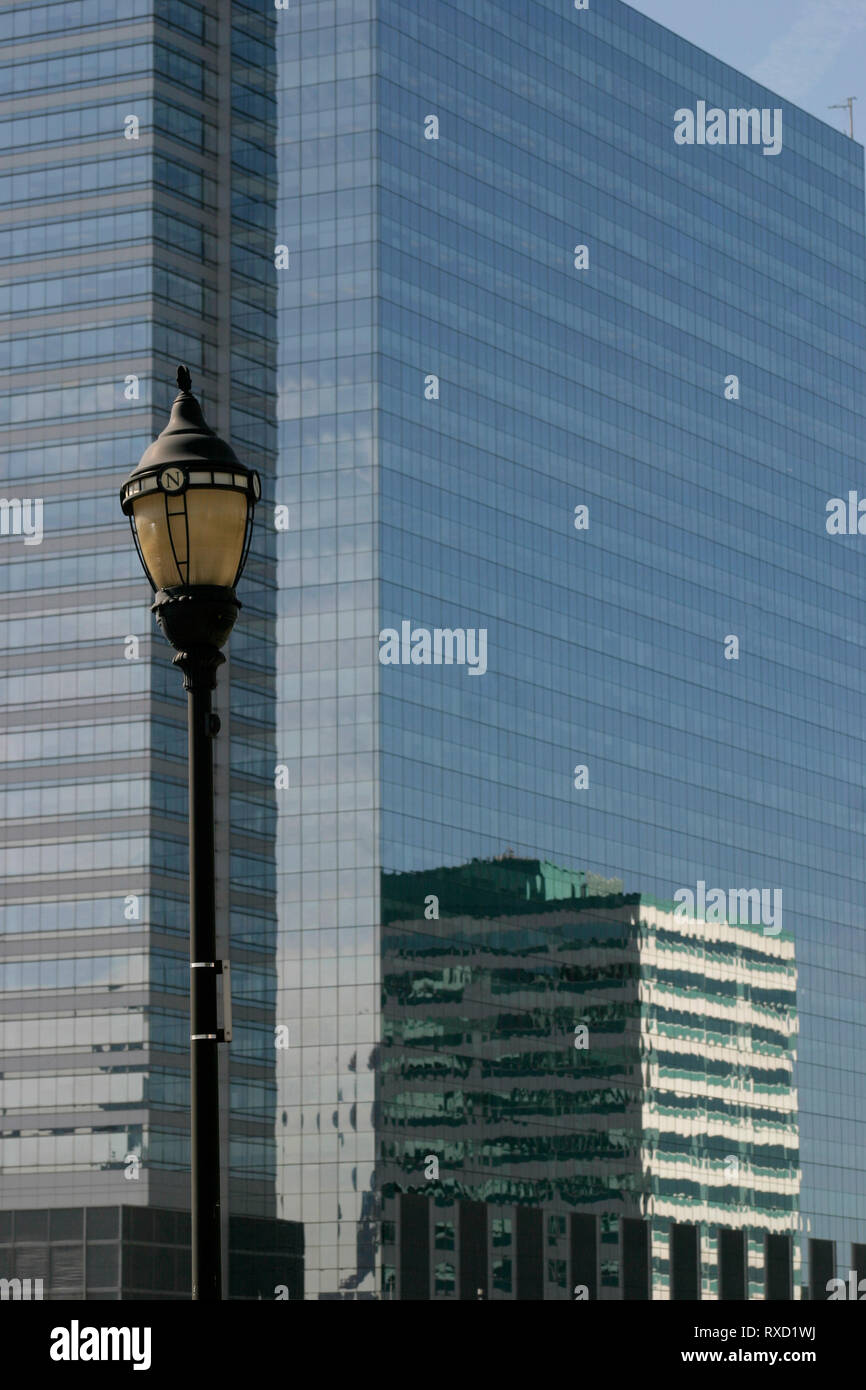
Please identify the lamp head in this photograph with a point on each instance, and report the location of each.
(190, 503)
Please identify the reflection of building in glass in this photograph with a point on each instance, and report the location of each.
(458, 387)
(600, 1092)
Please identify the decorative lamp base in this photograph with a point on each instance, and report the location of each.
(197, 621)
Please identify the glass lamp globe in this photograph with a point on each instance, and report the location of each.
(190, 503)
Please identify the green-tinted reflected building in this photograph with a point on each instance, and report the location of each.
(583, 1093)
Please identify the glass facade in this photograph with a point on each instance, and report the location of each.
(328, 690)
(139, 204)
(539, 810)
(591, 613)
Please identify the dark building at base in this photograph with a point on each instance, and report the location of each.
(141, 1253)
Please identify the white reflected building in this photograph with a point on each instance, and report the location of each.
(607, 1087)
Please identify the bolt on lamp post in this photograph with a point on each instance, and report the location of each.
(190, 504)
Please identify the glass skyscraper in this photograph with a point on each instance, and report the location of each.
(545, 330)
(138, 195)
(574, 394)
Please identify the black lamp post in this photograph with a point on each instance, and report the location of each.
(190, 504)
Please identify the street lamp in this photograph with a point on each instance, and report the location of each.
(190, 504)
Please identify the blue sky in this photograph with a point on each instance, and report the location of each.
(812, 52)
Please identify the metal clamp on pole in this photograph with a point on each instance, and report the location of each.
(224, 968)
